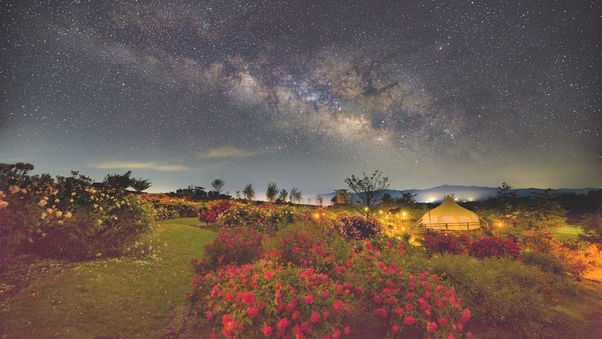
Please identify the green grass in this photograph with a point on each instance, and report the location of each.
(111, 298)
(567, 232)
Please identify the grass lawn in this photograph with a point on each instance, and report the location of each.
(111, 298)
(567, 232)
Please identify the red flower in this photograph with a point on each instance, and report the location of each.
(208, 315)
(336, 334)
(325, 294)
(282, 324)
(431, 326)
(380, 313)
(394, 328)
(309, 299)
(266, 330)
(378, 299)
(268, 275)
(398, 311)
(248, 298)
(337, 305)
(315, 317)
(346, 330)
(252, 312)
(368, 245)
(409, 320)
(465, 316)
(325, 313)
(295, 315)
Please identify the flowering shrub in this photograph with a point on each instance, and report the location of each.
(264, 218)
(352, 226)
(303, 249)
(67, 219)
(209, 215)
(494, 247)
(446, 243)
(236, 246)
(171, 208)
(267, 299)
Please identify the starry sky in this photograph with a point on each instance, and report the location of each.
(305, 93)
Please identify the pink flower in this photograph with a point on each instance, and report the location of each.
(315, 317)
(378, 299)
(336, 334)
(394, 328)
(208, 315)
(282, 324)
(268, 275)
(380, 313)
(368, 245)
(308, 299)
(13, 189)
(266, 330)
(431, 326)
(398, 311)
(42, 202)
(3, 203)
(465, 316)
(346, 330)
(337, 305)
(252, 312)
(326, 294)
(409, 320)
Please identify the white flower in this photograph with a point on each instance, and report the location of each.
(99, 221)
(56, 201)
(68, 215)
(95, 205)
(61, 222)
(72, 194)
(43, 215)
(70, 200)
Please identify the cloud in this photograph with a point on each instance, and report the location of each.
(229, 152)
(141, 165)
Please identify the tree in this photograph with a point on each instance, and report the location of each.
(367, 190)
(140, 184)
(249, 192)
(592, 228)
(282, 196)
(218, 186)
(540, 213)
(295, 195)
(272, 191)
(119, 182)
(319, 200)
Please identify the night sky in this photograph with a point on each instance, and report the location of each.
(305, 93)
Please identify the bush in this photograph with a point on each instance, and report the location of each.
(352, 227)
(266, 298)
(445, 243)
(494, 247)
(234, 246)
(66, 219)
(209, 215)
(545, 262)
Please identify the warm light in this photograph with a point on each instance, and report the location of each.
(366, 208)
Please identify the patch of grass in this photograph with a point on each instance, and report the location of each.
(567, 233)
(127, 298)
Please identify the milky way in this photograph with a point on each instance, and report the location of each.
(305, 93)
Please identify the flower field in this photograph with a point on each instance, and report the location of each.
(275, 271)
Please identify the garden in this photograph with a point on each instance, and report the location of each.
(84, 262)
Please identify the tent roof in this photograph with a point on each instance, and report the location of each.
(449, 212)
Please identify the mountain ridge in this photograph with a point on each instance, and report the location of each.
(465, 193)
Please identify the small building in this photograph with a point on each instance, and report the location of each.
(449, 216)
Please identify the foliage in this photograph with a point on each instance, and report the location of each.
(209, 215)
(140, 185)
(266, 298)
(66, 219)
(540, 213)
(295, 195)
(352, 226)
(271, 192)
(170, 208)
(119, 182)
(367, 190)
(218, 186)
(248, 192)
(445, 243)
(502, 294)
(282, 196)
(264, 218)
(494, 247)
(592, 228)
(231, 246)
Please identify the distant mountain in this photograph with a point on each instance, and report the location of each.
(463, 193)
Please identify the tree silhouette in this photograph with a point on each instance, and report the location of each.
(249, 192)
(272, 191)
(140, 185)
(367, 190)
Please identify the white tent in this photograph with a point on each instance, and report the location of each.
(450, 216)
